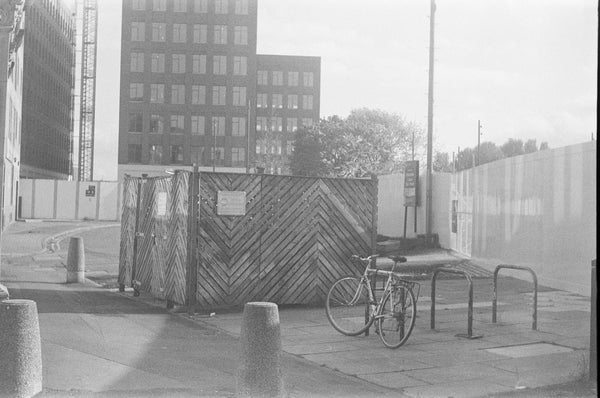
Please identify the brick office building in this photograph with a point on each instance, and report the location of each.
(189, 81)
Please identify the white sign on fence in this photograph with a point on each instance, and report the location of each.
(161, 206)
(231, 203)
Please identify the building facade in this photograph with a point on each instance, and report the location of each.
(48, 90)
(189, 80)
(11, 88)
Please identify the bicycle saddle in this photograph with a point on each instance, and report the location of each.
(397, 259)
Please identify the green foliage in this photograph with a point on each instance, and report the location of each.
(512, 147)
(441, 163)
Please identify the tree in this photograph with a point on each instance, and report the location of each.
(366, 142)
(512, 147)
(530, 146)
(544, 146)
(466, 159)
(489, 152)
(441, 163)
(306, 159)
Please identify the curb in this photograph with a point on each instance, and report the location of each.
(54, 241)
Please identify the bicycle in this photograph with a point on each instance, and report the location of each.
(352, 308)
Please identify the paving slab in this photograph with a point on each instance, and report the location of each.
(462, 389)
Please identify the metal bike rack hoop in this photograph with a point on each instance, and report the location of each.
(535, 291)
(469, 334)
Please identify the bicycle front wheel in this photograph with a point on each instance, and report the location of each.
(396, 318)
(347, 306)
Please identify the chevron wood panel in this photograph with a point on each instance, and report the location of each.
(160, 230)
(177, 239)
(127, 230)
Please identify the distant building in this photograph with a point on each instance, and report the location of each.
(48, 84)
(193, 88)
(11, 87)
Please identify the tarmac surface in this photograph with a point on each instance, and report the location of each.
(99, 342)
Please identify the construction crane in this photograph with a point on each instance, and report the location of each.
(89, 10)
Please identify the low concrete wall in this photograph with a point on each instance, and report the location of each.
(70, 200)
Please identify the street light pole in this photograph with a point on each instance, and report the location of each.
(478, 141)
(214, 152)
(428, 198)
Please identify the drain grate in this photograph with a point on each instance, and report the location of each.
(529, 350)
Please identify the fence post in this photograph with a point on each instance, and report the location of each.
(593, 327)
(135, 233)
(192, 266)
(374, 209)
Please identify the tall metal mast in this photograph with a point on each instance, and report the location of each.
(88, 90)
(429, 182)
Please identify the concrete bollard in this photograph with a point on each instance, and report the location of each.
(259, 372)
(4, 295)
(20, 345)
(76, 261)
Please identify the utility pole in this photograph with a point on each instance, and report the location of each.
(214, 151)
(428, 198)
(478, 141)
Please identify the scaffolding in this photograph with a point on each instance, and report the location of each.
(89, 12)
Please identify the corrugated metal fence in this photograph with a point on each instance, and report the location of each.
(256, 237)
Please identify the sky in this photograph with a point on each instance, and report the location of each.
(527, 69)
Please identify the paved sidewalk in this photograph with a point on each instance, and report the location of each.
(98, 342)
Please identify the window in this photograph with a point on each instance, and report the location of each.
(157, 93)
(157, 124)
(159, 31)
(159, 5)
(261, 100)
(262, 77)
(138, 4)
(240, 35)
(218, 125)
(197, 155)
(134, 153)
(136, 62)
(292, 79)
(135, 123)
(239, 96)
(155, 154)
(200, 33)
(178, 65)
(292, 102)
(276, 124)
(178, 94)
(158, 63)
(201, 6)
(176, 154)
(241, 7)
(290, 147)
(179, 33)
(307, 102)
(220, 34)
(138, 31)
(198, 127)
(261, 123)
(219, 158)
(177, 124)
(219, 96)
(219, 65)
(292, 124)
(277, 78)
(277, 101)
(238, 157)
(308, 78)
(259, 146)
(221, 6)
(198, 63)
(238, 128)
(179, 5)
(198, 95)
(136, 91)
(307, 122)
(240, 65)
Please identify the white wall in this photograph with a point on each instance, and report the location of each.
(70, 200)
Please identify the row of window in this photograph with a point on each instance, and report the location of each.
(179, 32)
(240, 7)
(198, 63)
(216, 125)
(274, 147)
(198, 94)
(200, 155)
(277, 101)
(292, 78)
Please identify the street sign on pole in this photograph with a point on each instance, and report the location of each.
(411, 183)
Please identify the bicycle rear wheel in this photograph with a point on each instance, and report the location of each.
(397, 315)
(347, 306)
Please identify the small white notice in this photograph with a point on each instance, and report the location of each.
(161, 204)
(231, 203)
